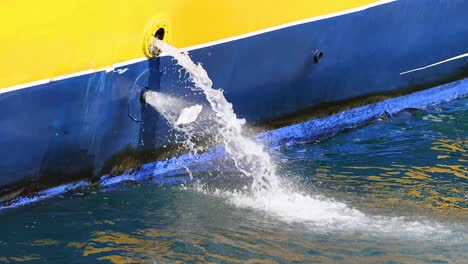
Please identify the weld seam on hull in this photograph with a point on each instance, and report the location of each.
(436, 64)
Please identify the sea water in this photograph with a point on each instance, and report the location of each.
(394, 191)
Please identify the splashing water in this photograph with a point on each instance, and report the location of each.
(249, 156)
(268, 191)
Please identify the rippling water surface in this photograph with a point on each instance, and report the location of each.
(394, 191)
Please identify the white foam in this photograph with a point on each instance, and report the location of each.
(322, 214)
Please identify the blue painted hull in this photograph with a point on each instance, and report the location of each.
(72, 129)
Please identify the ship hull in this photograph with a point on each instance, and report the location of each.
(86, 124)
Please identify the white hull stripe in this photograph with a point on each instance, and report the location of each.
(435, 64)
(195, 47)
(71, 75)
(291, 24)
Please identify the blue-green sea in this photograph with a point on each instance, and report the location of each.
(393, 191)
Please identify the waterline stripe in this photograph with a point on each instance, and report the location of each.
(46, 194)
(435, 64)
(169, 171)
(195, 47)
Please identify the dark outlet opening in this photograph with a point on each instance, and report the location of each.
(160, 34)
